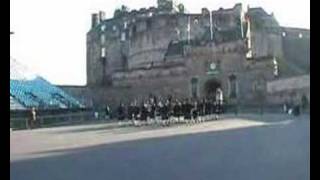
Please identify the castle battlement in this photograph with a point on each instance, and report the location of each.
(165, 49)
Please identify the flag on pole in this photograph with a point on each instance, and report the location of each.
(248, 36)
(211, 31)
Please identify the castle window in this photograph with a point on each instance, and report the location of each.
(196, 21)
(300, 35)
(103, 27)
(134, 30)
(124, 62)
(284, 34)
(102, 39)
(149, 24)
(275, 68)
(103, 52)
(123, 36)
(232, 86)
(178, 33)
(194, 87)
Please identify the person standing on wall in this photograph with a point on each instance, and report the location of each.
(107, 112)
(33, 118)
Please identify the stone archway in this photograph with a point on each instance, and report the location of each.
(210, 87)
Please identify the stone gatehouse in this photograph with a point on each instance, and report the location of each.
(163, 50)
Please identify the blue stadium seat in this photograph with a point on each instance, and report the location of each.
(40, 93)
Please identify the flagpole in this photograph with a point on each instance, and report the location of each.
(189, 28)
(211, 32)
(241, 23)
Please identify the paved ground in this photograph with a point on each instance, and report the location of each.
(242, 148)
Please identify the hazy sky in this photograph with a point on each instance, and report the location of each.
(50, 35)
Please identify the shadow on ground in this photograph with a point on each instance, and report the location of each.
(264, 153)
(249, 117)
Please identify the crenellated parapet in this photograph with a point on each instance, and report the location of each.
(158, 42)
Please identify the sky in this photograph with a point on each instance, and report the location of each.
(50, 35)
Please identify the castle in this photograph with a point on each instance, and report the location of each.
(164, 50)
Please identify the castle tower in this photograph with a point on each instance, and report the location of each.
(94, 20)
(166, 5)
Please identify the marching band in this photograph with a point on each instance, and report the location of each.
(170, 111)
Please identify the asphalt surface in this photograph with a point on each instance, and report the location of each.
(242, 149)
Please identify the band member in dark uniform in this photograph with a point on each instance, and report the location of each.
(157, 113)
(201, 107)
(195, 112)
(212, 107)
(121, 112)
(152, 110)
(130, 111)
(165, 113)
(144, 112)
(180, 112)
(207, 108)
(187, 111)
(170, 106)
(135, 113)
(176, 111)
(183, 109)
(136, 110)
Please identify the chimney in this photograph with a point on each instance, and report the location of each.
(94, 20)
(102, 16)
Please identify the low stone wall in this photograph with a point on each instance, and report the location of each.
(290, 89)
(300, 82)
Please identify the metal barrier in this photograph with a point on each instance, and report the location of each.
(53, 120)
(45, 119)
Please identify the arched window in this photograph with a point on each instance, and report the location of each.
(134, 30)
(194, 87)
(102, 39)
(124, 62)
(284, 34)
(232, 86)
(149, 23)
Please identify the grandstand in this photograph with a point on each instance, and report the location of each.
(15, 105)
(28, 89)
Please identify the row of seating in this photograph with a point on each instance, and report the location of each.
(14, 105)
(40, 93)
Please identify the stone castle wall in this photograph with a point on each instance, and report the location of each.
(149, 52)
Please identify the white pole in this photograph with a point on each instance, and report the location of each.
(241, 23)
